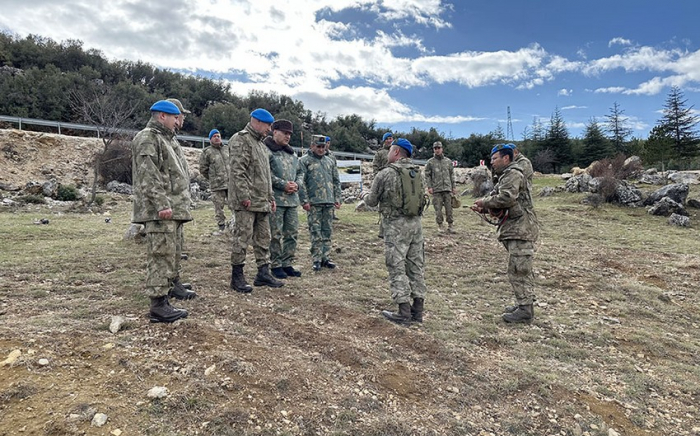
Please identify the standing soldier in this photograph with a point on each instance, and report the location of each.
(286, 178)
(319, 194)
(161, 204)
(379, 162)
(524, 164)
(439, 175)
(213, 164)
(398, 190)
(517, 230)
(250, 188)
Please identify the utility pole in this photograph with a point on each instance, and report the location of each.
(509, 129)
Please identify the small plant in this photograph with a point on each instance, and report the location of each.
(99, 200)
(31, 199)
(67, 193)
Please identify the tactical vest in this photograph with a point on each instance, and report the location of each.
(412, 201)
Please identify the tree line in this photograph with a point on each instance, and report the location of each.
(60, 81)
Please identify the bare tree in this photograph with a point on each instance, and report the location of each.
(110, 111)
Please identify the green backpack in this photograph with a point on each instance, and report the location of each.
(412, 201)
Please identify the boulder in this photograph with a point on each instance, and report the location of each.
(627, 194)
(678, 220)
(50, 188)
(666, 207)
(119, 188)
(33, 188)
(651, 179)
(135, 232)
(547, 191)
(578, 183)
(683, 177)
(677, 192)
(694, 203)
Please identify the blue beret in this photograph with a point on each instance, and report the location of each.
(213, 132)
(387, 135)
(328, 139)
(405, 144)
(165, 107)
(500, 147)
(263, 115)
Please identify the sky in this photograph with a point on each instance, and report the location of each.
(459, 66)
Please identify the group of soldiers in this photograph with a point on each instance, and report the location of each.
(262, 180)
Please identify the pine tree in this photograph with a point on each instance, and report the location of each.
(678, 123)
(557, 140)
(595, 145)
(618, 128)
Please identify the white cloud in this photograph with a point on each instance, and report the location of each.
(565, 92)
(568, 108)
(611, 90)
(619, 41)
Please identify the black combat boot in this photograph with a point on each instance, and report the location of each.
(279, 272)
(417, 310)
(265, 279)
(291, 272)
(523, 314)
(403, 316)
(162, 311)
(511, 309)
(222, 227)
(316, 266)
(328, 264)
(179, 291)
(238, 282)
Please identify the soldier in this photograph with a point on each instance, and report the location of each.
(379, 162)
(403, 231)
(319, 194)
(161, 204)
(439, 175)
(524, 164)
(213, 164)
(250, 189)
(518, 229)
(332, 156)
(181, 291)
(286, 178)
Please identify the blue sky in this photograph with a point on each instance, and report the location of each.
(455, 66)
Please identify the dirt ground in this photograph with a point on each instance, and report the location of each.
(613, 351)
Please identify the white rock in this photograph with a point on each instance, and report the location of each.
(158, 392)
(99, 420)
(116, 432)
(209, 370)
(116, 324)
(43, 362)
(612, 432)
(11, 358)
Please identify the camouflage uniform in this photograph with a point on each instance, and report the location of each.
(213, 164)
(321, 189)
(380, 161)
(250, 180)
(284, 223)
(519, 231)
(439, 175)
(160, 181)
(403, 236)
(526, 167)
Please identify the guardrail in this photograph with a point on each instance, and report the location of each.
(197, 139)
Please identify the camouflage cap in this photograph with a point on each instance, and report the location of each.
(177, 103)
(283, 125)
(437, 144)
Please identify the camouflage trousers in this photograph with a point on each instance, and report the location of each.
(284, 227)
(219, 198)
(440, 200)
(520, 274)
(404, 255)
(320, 219)
(162, 256)
(179, 245)
(252, 228)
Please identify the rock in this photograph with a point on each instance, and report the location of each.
(651, 179)
(677, 192)
(612, 432)
(158, 392)
(628, 195)
(666, 207)
(678, 220)
(9, 187)
(209, 370)
(8, 202)
(50, 188)
(578, 183)
(11, 358)
(566, 176)
(694, 203)
(99, 420)
(665, 297)
(33, 188)
(43, 362)
(547, 191)
(651, 171)
(119, 188)
(135, 232)
(116, 432)
(116, 324)
(683, 177)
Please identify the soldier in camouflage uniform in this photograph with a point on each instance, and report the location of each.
(252, 200)
(379, 162)
(213, 164)
(439, 175)
(518, 229)
(161, 204)
(319, 194)
(403, 237)
(286, 179)
(181, 291)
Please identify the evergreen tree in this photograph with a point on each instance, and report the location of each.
(618, 129)
(595, 145)
(557, 140)
(678, 122)
(658, 147)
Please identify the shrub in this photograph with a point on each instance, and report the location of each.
(66, 193)
(31, 199)
(99, 200)
(114, 163)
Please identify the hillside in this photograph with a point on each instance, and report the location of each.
(613, 351)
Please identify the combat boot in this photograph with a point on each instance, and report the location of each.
(523, 314)
(441, 228)
(403, 316)
(417, 310)
(179, 291)
(450, 228)
(162, 311)
(279, 272)
(511, 309)
(222, 227)
(265, 279)
(291, 272)
(316, 266)
(328, 264)
(238, 282)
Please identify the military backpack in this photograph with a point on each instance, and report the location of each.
(413, 199)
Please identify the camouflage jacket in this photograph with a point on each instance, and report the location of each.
(381, 160)
(284, 167)
(160, 180)
(512, 192)
(386, 190)
(249, 179)
(439, 174)
(213, 164)
(526, 166)
(321, 182)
